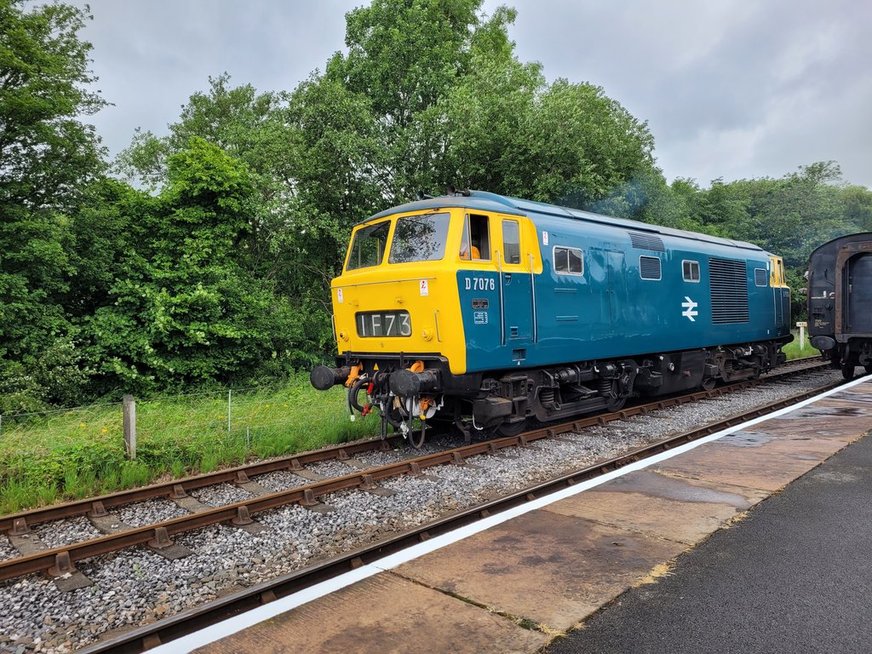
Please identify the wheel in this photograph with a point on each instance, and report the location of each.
(848, 371)
(868, 368)
(616, 404)
(511, 428)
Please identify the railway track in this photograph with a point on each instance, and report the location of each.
(148, 636)
(60, 561)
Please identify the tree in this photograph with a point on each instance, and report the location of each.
(187, 310)
(450, 104)
(431, 94)
(236, 119)
(856, 203)
(47, 156)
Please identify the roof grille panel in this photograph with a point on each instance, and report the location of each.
(646, 242)
(729, 291)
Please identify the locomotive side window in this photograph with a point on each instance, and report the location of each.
(368, 246)
(649, 268)
(760, 277)
(690, 271)
(475, 243)
(511, 241)
(568, 261)
(419, 238)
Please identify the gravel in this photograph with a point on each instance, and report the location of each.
(138, 585)
(376, 459)
(279, 480)
(6, 549)
(66, 532)
(220, 494)
(149, 512)
(330, 468)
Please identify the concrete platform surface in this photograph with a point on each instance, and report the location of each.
(383, 614)
(518, 585)
(794, 576)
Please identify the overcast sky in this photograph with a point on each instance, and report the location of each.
(729, 89)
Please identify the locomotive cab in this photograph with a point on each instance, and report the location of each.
(411, 281)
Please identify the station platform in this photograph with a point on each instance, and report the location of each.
(670, 554)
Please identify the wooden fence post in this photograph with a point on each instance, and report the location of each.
(128, 409)
(802, 326)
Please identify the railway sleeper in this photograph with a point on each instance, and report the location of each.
(66, 576)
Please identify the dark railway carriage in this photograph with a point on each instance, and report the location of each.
(840, 301)
(489, 310)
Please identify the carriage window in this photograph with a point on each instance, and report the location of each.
(568, 261)
(419, 238)
(511, 241)
(649, 268)
(475, 244)
(690, 270)
(368, 246)
(759, 277)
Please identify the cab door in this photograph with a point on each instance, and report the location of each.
(780, 295)
(517, 289)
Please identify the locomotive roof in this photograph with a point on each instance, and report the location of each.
(838, 242)
(492, 202)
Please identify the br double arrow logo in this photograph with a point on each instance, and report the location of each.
(689, 309)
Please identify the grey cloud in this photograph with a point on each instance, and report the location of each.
(729, 89)
(151, 55)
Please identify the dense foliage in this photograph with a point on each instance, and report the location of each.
(203, 256)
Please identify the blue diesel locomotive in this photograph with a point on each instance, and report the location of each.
(489, 311)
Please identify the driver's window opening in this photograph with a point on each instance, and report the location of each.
(511, 241)
(475, 244)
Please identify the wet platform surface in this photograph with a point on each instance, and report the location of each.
(518, 585)
(794, 576)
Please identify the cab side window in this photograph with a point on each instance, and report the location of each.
(475, 243)
(511, 241)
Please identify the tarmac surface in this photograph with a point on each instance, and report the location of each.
(711, 550)
(794, 576)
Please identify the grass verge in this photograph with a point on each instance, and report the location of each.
(793, 351)
(58, 456)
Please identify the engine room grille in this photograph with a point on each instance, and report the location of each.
(646, 242)
(649, 267)
(729, 291)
